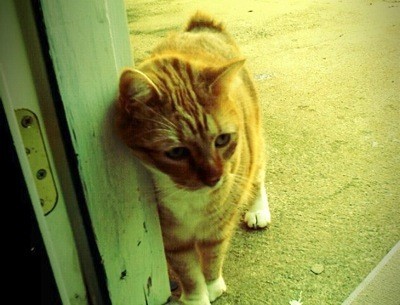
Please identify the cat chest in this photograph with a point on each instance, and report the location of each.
(190, 219)
(192, 225)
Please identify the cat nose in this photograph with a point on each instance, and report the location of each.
(212, 181)
(210, 173)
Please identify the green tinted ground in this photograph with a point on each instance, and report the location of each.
(328, 74)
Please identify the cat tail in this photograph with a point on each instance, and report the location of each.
(202, 21)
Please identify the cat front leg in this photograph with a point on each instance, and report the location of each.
(185, 263)
(212, 254)
(216, 288)
(259, 215)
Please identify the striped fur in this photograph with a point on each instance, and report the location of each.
(190, 112)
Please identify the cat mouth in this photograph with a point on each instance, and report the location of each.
(201, 185)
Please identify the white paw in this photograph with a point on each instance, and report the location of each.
(193, 299)
(258, 219)
(216, 288)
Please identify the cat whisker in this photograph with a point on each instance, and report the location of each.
(166, 123)
(166, 192)
(169, 125)
(164, 132)
(240, 179)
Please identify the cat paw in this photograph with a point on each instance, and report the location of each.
(192, 299)
(216, 288)
(258, 219)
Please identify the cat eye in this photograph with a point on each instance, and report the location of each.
(222, 140)
(178, 153)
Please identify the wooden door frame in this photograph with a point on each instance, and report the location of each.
(106, 199)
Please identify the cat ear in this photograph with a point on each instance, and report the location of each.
(221, 77)
(134, 85)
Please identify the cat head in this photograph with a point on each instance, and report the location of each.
(179, 118)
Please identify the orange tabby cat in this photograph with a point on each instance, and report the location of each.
(191, 114)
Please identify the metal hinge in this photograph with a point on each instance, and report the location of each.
(38, 159)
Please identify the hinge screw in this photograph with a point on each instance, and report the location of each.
(41, 174)
(27, 121)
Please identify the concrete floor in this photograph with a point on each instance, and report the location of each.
(328, 73)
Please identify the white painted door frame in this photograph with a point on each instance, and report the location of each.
(103, 234)
(19, 90)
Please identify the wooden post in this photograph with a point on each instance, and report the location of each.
(89, 46)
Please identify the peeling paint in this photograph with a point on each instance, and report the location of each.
(123, 274)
